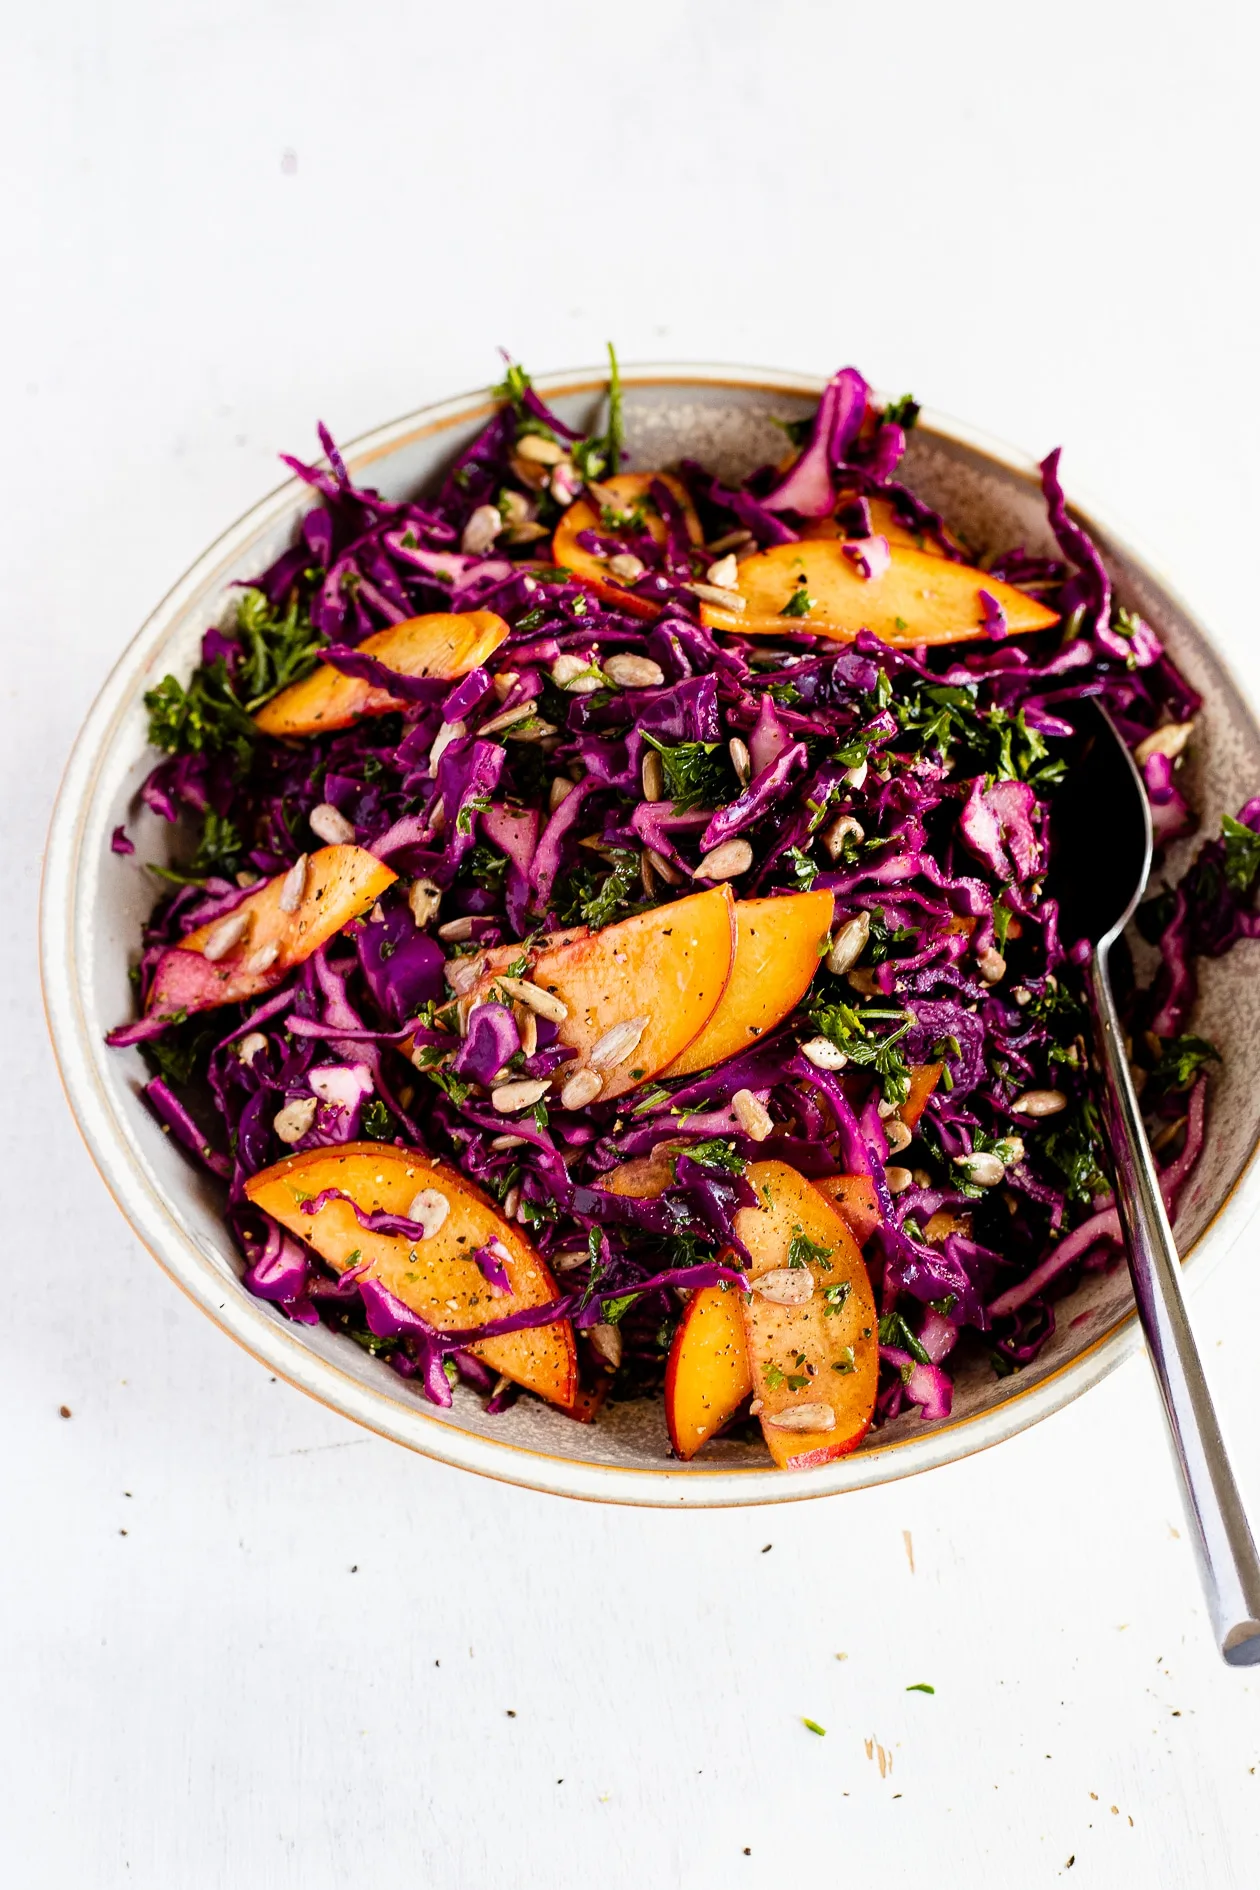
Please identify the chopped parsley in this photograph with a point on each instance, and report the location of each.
(714, 1152)
(1242, 854)
(901, 413)
(804, 1252)
(800, 603)
(697, 774)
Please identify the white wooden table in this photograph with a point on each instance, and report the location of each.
(245, 1644)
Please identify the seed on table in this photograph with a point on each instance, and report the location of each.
(1039, 1102)
(457, 931)
(823, 1054)
(741, 760)
(430, 1208)
(580, 1089)
(294, 885)
(624, 565)
(728, 861)
(617, 1044)
(483, 527)
(330, 824)
(843, 831)
(295, 1119)
(633, 672)
(899, 1179)
(803, 1417)
(423, 899)
(227, 935)
(520, 1095)
(981, 1168)
(849, 943)
(652, 776)
(898, 1135)
(542, 452)
(785, 1286)
(752, 1115)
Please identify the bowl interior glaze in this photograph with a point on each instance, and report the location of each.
(94, 902)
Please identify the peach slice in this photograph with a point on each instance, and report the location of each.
(812, 1333)
(583, 516)
(888, 522)
(918, 599)
(778, 946)
(442, 644)
(923, 1080)
(637, 992)
(341, 883)
(708, 1376)
(853, 1197)
(436, 1277)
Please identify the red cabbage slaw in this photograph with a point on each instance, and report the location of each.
(914, 785)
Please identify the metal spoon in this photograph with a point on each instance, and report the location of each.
(1101, 855)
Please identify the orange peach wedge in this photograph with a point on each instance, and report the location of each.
(436, 1277)
(443, 644)
(853, 1197)
(778, 946)
(270, 931)
(887, 521)
(917, 598)
(810, 1322)
(591, 570)
(630, 998)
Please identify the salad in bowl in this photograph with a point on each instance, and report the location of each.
(615, 955)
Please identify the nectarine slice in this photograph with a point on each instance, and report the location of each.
(436, 1277)
(813, 1344)
(637, 992)
(708, 1376)
(340, 884)
(442, 644)
(918, 599)
(853, 1197)
(778, 945)
(583, 516)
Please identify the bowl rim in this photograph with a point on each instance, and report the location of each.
(278, 1345)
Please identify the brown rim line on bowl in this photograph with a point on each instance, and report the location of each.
(92, 902)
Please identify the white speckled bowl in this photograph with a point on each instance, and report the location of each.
(93, 902)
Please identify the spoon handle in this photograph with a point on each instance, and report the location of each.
(1231, 1572)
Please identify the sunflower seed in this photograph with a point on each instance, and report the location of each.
(652, 776)
(719, 595)
(856, 777)
(519, 1095)
(542, 452)
(295, 1118)
(843, 831)
(511, 1201)
(530, 732)
(294, 885)
(618, 1043)
(849, 943)
(1169, 740)
(248, 1048)
(227, 934)
(457, 931)
(991, 965)
(568, 1258)
(981, 1169)
(565, 483)
(823, 1054)
(516, 508)
(582, 1088)
(546, 1003)
(626, 566)
(898, 1179)
(733, 541)
(430, 1207)
(665, 869)
(728, 861)
(724, 574)
(526, 1028)
(501, 1142)
(751, 1114)
(330, 824)
(508, 718)
(423, 899)
(633, 672)
(483, 527)
(449, 732)
(561, 788)
(898, 1134)
(803, 1417)
(263, 959)
(606, 1341)
(741, 760)
(1039, 1102)
(785, 1286)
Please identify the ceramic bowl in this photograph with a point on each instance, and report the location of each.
(94, 901)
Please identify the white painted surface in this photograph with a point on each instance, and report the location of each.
(219, 222)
